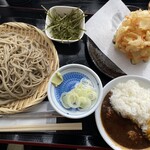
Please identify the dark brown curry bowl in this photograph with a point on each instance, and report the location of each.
(115, 129)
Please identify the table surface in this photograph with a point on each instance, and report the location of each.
(33, 13)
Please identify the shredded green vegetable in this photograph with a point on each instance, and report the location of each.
(66, 26)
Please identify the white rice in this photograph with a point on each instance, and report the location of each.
(132, 101)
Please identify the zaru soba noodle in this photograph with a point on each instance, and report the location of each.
(24, 65)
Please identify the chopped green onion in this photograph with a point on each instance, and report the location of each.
(66, 26)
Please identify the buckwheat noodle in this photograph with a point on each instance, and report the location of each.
(24, 64)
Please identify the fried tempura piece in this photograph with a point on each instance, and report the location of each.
(133, 36)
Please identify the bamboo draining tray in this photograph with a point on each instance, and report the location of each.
(34, 33)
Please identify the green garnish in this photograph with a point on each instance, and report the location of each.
(65, 26)
(57, 79)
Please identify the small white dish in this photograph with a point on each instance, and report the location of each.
(61, 10)
(142, 82)
(72, 75)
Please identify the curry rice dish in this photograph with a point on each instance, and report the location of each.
(126, 108)
(122, 130)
